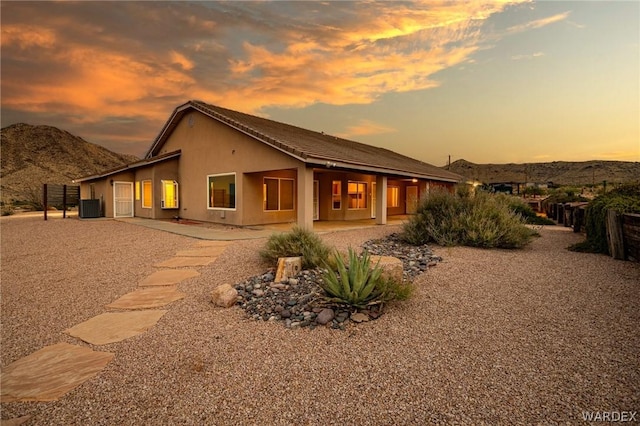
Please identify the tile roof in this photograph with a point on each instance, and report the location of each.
(310, 146)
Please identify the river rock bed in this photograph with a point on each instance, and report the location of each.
(300, 301)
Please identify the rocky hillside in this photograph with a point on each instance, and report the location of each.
(558, 172)
(33, 155)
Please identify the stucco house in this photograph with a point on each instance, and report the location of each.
(217, 165)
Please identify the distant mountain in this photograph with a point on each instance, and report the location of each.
(558, 172)
(34, 155)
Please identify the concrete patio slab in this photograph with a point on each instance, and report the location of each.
(180, 262)
(147, 298)
(168, 277)
(114, 327)
(214, 251)
(49, 373)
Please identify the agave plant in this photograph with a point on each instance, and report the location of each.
(356, 284)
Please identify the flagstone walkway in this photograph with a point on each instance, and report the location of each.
(51, 372)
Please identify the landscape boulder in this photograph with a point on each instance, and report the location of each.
(224, 295)
(391, 267)
(288, 267)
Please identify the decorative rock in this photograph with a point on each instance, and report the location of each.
(302, 297)
(325, 316)
(342, 316)
(288, 267)
(391, 266)
(224, 296)
(359, 317)
(278, 286)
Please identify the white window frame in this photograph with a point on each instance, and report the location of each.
(364, 194)
(164, 195)
(339, 194)
(142, 185)
(235, 194)
(264, 194)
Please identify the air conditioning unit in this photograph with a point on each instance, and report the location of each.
(89, 209)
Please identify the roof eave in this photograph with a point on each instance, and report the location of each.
(131, 166)
(337, 164)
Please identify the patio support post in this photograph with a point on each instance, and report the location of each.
(381, 200)
(305, 197)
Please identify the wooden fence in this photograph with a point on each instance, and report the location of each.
(59, 196)
(623, 235)
(568, 214)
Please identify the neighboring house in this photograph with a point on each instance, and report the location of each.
(216, 165)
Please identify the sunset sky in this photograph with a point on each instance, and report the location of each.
(487, 81)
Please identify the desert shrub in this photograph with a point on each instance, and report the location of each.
(483, 220)
(358, 284)
(520, 207)
(565, 194)
(624, 199)
(298, 242)
(7, 210)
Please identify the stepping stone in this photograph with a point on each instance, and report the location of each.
(212, 243)
(168, 277)
(202, 252)
(115, 326)
(49, 373)
(147, 298)
(179, 262)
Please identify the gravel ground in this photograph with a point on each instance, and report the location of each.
(535, 336)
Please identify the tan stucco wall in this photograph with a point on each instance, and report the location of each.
(100, 192)
(156, 173)
(104, 190)
(327, 212)
(209, 148)
(253, 199)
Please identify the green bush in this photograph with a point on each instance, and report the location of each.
(481, 220)
(565, 194)
(358, 284)
(520, 207)
(298, 242)
(624, 199)
(7, 210)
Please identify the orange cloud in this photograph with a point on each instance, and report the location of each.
(26, 36)
(180, 59)
(97, 69)
(539, 23)
(365, 127)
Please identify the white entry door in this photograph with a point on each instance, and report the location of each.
(123, 199)
(412, 199)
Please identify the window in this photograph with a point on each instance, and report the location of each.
(278, 194)
(222, 191)
(393, 196)
(357, 195)
(336, 195)
(138, 190)
(169, 194)
(147, 194)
